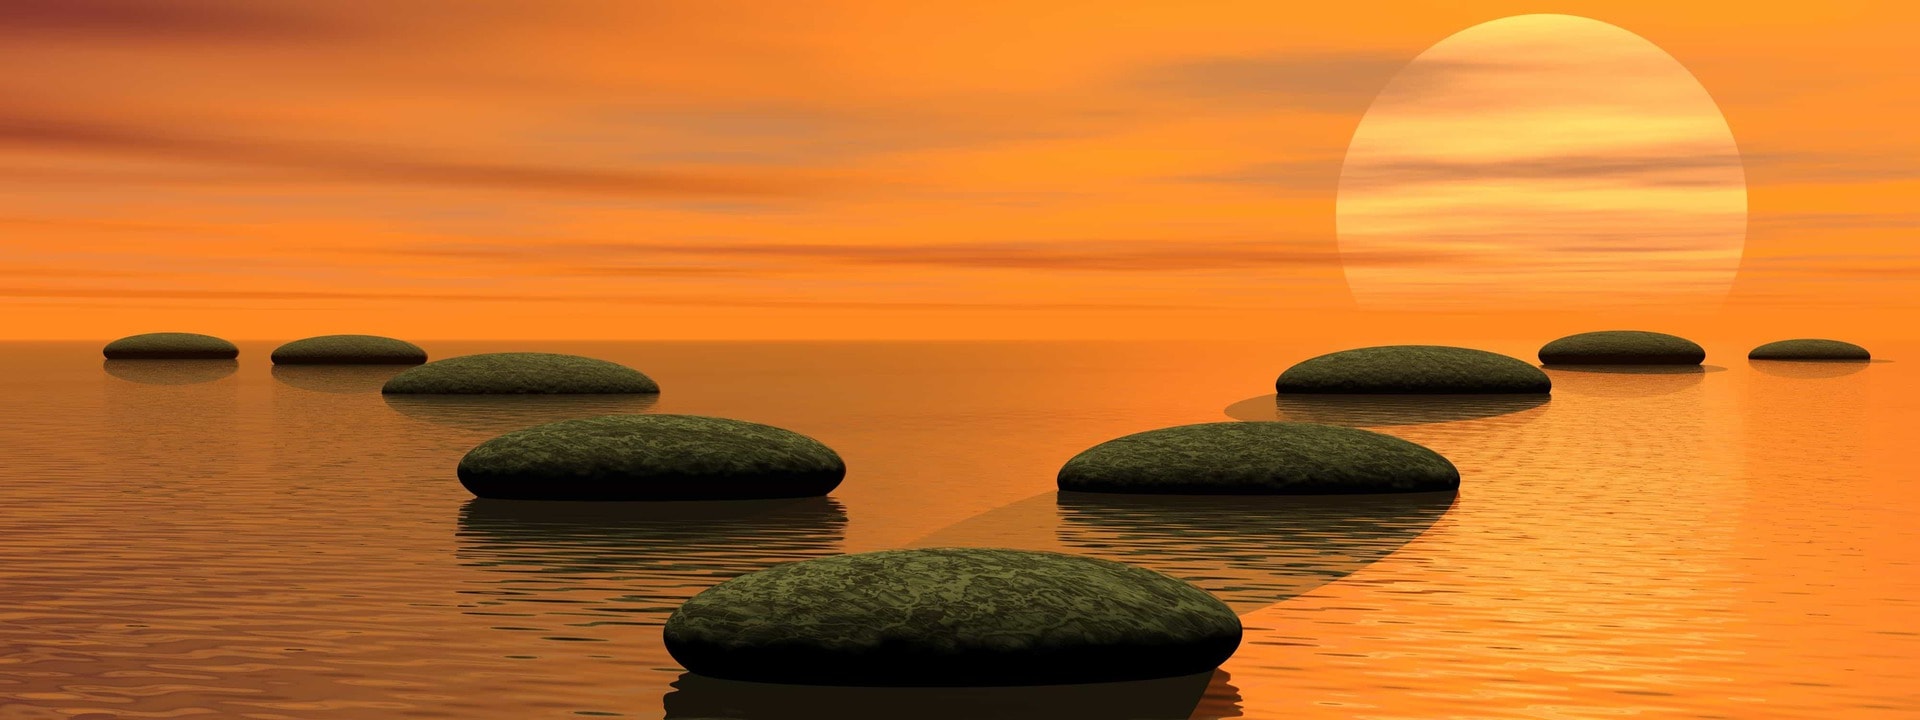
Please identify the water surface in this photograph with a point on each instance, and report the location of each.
(234, 541)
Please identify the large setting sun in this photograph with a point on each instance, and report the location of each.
(1542, 160)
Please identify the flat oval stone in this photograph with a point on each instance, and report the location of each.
(1413, 369)
(1622, 347)
(349, 350)
(651, 457)
(952, 617)
(520, 373)
(1810, 349)
(1258, 458)
(170, 346)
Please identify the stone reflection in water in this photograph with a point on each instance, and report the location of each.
(170, 372)
(173, 423)
(631, 563)
(1381, 410)
(506, 413)
(1627, 381)
(1250, 551)
(337, 379)
(1810, 369)
(1204, 695)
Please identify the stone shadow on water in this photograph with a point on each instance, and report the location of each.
(1628, 381)
(1810, 369)
(506, 413)
(1250, 551)
(170, 372)
(337, 379)
(1203, 695)
(631, 562)
(1381, 410)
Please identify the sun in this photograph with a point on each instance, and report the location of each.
(1542, 161)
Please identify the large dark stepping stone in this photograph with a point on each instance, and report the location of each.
(349, 350)
(520, 373)
(1622, 347)
(952, 617)
(1258, 458)
(170, 346)
(1413, 369)
(1810, 349)
(651, 457)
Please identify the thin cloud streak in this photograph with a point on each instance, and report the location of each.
(685, 300)
(359, 164)
(164, 20)
(1163, 256)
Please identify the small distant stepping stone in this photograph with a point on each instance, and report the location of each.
(520, 373)
(1810, 349)
(651, 457)
(349, 350)
(1258, 458)
(1622, 347)
(952, 617)
(1413, 369)
(170, 346)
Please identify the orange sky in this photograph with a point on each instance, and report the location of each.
(663, 170)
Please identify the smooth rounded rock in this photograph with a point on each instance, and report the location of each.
(651, 457)
(170, 346)
(1258, 458)
(520, 373)
(1622, 347)
(1810, 349)
(952, 617)
(349, 350)
(1413, 369)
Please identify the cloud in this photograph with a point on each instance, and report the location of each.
(1651, 167)
(1332, 82)
(675, 300)
(362, 164)
(159, 20)
(1084, 256)
(1836, 221)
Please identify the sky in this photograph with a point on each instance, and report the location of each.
(442, 169)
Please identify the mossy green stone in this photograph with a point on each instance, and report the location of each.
(1622, 347)
(349, 350)
(1413, 369)
(170, 346)
(520, 373)
(1258, 458)
(651, 457)
(952, 617)
(1810, 349)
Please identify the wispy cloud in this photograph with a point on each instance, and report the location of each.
(1836, 221)
(1082, 256)
(1330, 81)
(674, 300)
(165, 20)
(313, 161)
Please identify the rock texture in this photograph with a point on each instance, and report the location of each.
(349, 350)
(520, 373)
(1413, 369)
(1810, 349)
(651, 457)
(170, 346)
(1258, 458)
(952, 617)
(1622, 347)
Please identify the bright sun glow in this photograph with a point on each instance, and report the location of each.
(1542, 160)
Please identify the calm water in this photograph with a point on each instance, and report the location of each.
(229, 540)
